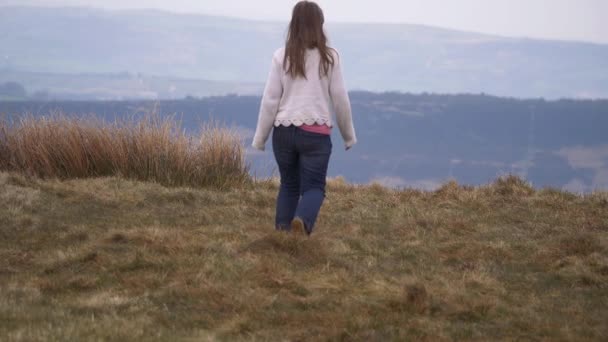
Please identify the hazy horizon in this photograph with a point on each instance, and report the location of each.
(541, 19)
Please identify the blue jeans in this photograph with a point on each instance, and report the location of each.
(302, 158)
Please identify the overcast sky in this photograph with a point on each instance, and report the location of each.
(585, 20)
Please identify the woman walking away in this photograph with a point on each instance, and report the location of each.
(304, 82)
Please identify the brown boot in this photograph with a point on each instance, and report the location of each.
(298, 227)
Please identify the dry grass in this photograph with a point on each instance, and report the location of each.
(116, 259)
(150, 149)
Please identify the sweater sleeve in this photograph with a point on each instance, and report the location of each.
(269, 105)
(341, 102)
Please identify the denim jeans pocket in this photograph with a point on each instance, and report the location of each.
(315, 145)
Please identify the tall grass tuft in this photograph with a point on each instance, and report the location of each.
(150, 148)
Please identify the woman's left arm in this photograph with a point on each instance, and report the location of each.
(270, 104)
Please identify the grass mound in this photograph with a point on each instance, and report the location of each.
(120, 259)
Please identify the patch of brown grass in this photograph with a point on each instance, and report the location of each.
(511, 185)
(151, 149)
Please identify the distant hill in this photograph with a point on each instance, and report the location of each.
(377, 57)
(418, 140)
(120, 86)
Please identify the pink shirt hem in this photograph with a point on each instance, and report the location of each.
(316, 128)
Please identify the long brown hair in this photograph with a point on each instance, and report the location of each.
(306, 32)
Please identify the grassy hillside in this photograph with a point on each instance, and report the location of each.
(117, 259)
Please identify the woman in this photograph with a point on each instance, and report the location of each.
(305, 80)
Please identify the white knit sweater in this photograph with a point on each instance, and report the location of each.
(288, 101)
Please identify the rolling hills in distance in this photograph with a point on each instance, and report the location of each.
(91, 53)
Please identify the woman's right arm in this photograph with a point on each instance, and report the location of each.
(339, 97)
(270, 104)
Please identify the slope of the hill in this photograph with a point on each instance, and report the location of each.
(110, 258)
